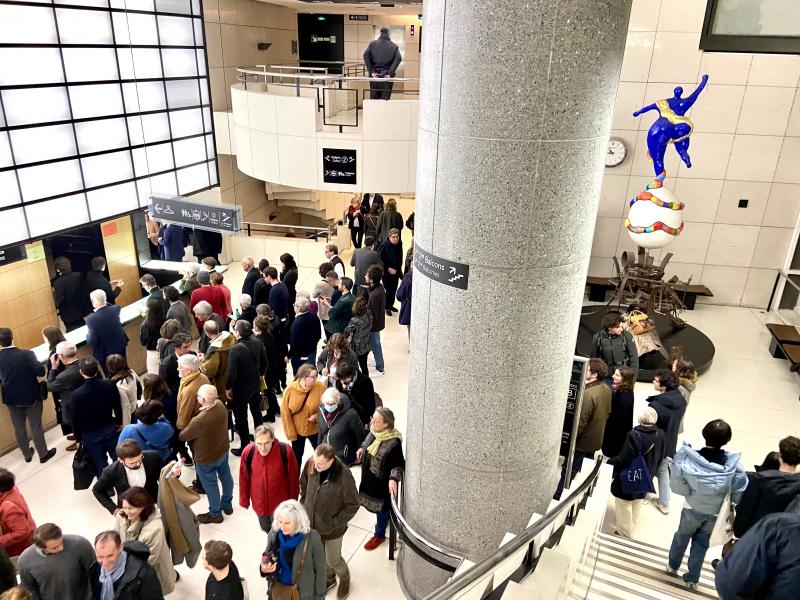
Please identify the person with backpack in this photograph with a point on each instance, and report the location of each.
(268, 475)
(634, 467)
(706, 478)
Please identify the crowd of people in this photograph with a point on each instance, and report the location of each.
(215, 366)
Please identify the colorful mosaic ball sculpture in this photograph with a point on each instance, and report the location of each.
(656, 216)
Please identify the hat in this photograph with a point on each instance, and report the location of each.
(204, 278)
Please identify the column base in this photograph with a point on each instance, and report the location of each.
(416, 576)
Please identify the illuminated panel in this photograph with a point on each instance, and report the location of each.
(102, 102)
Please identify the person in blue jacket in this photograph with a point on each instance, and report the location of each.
(152, 430)
(173, 241)
(704, 478)
(764, 563)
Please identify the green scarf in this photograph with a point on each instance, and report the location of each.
(383, 436)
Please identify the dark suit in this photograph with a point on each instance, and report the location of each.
(71, 299)
(113, 480)
(365, 202)
(106, 335)
(157, 295)
(22, 395)
(96, 280)
(96, 412)
(248, 287)
(247, 363)
(207, 244)
(62, 382)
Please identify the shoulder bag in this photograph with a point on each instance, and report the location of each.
(290, 592)
(636, 478)
(723, 526)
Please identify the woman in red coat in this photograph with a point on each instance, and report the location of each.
(268, 475)
(15, 517)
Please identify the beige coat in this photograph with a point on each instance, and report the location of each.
(151, 534)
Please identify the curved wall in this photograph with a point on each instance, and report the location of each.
(280, 139)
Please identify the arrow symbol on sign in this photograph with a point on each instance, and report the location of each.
(158, 208)
(452, 270)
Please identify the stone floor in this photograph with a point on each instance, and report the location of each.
(754, 392)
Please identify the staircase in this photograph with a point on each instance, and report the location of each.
(325, 206)
(626, 569)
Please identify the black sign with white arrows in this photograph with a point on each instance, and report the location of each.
(440, 269)
(339, 166)
(223, 218)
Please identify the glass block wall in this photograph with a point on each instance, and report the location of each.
(101, 103)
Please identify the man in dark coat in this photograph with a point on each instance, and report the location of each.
(278, 294)
(64, 378)
(22, 394)
(134, 579)
(96, 415)
(358, 386)
(171, 241)
(670, 406)
(207, 244)
(132, 468)
(253, 275)
(70, 294)
(382, 57)
(106, 335)
(368, 200)
(362, 260)
(247, 364)
(96, 280)
(304, 335)
(340, 313)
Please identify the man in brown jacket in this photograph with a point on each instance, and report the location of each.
(208, 432)
(595, 408)
(214, 363)
(329, 494)
(191, 380)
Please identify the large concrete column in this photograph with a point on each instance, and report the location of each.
(516, 107)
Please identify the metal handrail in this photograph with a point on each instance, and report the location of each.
(491, 562)
(333, 78)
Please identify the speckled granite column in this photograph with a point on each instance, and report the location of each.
(516, 107)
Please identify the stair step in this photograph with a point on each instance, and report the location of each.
(623, 567)
(647, 554)
(609, 586)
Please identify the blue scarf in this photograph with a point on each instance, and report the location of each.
(285, 542)
(107, 578)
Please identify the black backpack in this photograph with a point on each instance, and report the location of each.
(248, 460)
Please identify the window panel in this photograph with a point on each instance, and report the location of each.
(144, 96)
(143, 189)
(179, 63)
(107, 168)
(22, 66)
(196, 7)
(9, 189)
(5, 151)
(182, 7)
(112, 200)
(175, 31)
(208, 120)
(58, 214)
(182, 93)
(95, 100)
(159, 158)
(210, 150)
(90, 64)
(98, 3)
(27, 25)
(48, 180)
(97, 136)
(189, 151)
(186, 122)
(204, 91)
(42, 143)
(146, 63)
(199, 39)
(139, 156)
(212, 173)
(136, 29)
(192, 179)
(83, 27)
(14, 228)
(143, 5)
(164, 184)
(156, 127)
(201, 63)
(37, 105)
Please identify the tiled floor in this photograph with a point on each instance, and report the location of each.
(754, 392)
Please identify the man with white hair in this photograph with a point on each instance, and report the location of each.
(105, 334)
(191, 381)
(253, 275)
(202, 313)
(64, 377)
(208, 434)
(248, 310)
(304, 335)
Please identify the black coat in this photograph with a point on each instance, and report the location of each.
(365, 205)
(391, 255)
(96, 280)
(168, 369)
(304, 335)
(670, 407)
(289, 278)
(261, 291)
(19, 370)
(229, 588)
(362, 396)
(63, 381)
(247, 361)
(139, 580)
(95, 405)
(206, 243)
(382, 55)
(72, 299)
(619, 423)
(767, 492)
(345, 432)
(106, 335)
(268, 341)
(377, 487)
(250, 279)
(114, 481)
(653, 449)
(249, 314)
(279, 300)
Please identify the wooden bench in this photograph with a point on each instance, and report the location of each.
(785, 342)
(598, 286)
(689, 293)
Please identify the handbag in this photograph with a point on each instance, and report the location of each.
(636, 478)
(723, 526)
(640, 322)
(281, 591)
(82, 470)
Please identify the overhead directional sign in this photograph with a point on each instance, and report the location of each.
(223, 218)
(339, 165)
(442, 270)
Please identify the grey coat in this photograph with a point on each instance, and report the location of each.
(311, 581)
(362, 260)
(358, 333)
(189, 526)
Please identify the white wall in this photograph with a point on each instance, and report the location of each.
(746, 144)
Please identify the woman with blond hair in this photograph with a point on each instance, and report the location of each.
(355, 221)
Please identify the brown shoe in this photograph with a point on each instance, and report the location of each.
(374, 542)
(206, 518)
(71, 437)
(72, 447)
(344, 589)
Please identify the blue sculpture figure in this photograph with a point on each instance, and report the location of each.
(671, 127)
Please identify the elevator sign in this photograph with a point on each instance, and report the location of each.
(339, 166)
(442, 270)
